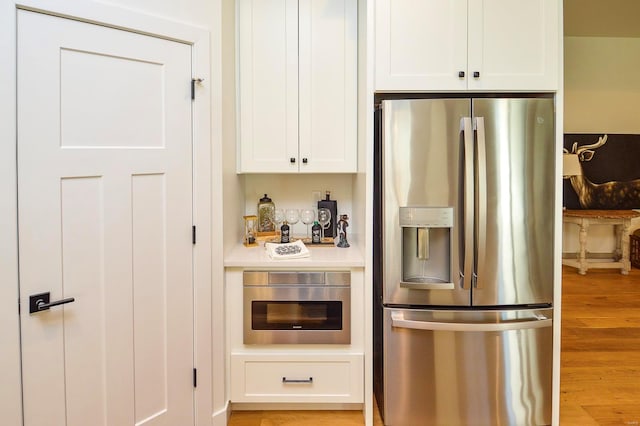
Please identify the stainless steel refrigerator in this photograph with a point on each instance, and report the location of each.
(463, 255)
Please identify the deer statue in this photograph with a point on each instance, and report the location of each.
(608, 195)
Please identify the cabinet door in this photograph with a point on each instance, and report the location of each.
(328, 85)
(513, 44)
(420, 45)
(268, 82)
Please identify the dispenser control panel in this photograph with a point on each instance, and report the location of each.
(426, 217)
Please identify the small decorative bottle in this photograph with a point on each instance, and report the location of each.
(284, 232)
(316, 232)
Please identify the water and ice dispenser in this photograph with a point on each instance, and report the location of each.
(426, 247)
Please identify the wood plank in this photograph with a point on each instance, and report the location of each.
(625, 414)
(577, 415)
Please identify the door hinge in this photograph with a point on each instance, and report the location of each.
(193, 234)
(195, 81)
(195, 377)
(18, 306)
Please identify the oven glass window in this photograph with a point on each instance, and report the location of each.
(296, 315)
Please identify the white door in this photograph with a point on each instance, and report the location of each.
(105, 205)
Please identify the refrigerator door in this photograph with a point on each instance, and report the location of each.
(467, 367)
(514, 197)
(421, 158)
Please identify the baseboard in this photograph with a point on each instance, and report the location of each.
(252, 406)
(221, 417)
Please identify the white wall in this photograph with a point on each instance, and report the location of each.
(10, 402)
(602, 88)
(205, 14)
(602, 95)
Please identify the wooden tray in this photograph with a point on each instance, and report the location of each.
(325, 242)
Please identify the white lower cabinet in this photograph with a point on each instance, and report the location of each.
(267, 378)
(305, 375)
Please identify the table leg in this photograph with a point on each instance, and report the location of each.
(624, 243)
(582, 257)
(617, 253)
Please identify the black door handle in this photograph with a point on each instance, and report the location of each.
(41, 302)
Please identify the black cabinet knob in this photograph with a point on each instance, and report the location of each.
(305, 161)
(476, 74)
(461, 74)
(292, 160)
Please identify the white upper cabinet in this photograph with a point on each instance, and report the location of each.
(460, 45)
(297, 86)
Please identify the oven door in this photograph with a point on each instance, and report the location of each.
(297, 314)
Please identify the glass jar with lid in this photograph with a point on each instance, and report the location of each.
(266, 210)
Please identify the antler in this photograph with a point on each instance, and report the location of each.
(578, 150)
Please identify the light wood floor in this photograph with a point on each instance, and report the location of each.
(600, 361)
(299, 418)
(600, 358)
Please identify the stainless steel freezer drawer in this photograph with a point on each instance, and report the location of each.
(467, 367)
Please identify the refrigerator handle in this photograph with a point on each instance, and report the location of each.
(398, 321)
(481, 226)
(467, 228)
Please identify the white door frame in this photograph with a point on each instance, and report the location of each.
(206, 151)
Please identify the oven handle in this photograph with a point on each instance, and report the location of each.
(309, 380)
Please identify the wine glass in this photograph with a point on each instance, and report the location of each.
(307, 216)
(292, 216)
(278, 218)
(324, 219)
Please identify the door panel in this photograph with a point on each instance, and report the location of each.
(268, 85)
(328, 85)
(514, 263)
(81, 85)
(513, 44)
(441, 369)
(420, 45)
(421, 168)
(105, 205)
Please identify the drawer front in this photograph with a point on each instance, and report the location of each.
(257, 380)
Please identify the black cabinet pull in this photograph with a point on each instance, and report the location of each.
(305, 161)
(476, 74)
(461, 74)
(292, 160)
(309, 380)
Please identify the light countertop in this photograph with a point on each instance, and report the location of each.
(321, 257)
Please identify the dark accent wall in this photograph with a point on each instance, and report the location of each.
(618, 160)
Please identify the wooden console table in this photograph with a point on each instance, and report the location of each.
(621, 221)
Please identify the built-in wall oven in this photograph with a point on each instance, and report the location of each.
(297, 307)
